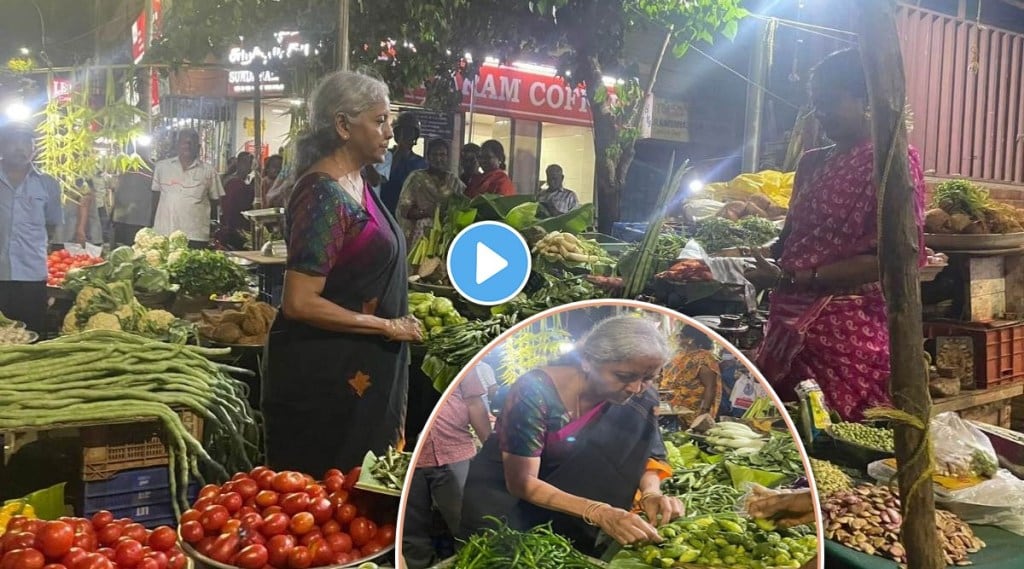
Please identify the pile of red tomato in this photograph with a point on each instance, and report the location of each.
(284, 520)
(99, 543)
(60, 262)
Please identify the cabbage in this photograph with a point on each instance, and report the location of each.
(121, 255)
(123, 272)
(151, 279)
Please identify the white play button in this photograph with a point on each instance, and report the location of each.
(488, 263)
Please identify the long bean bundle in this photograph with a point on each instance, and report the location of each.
(503, 547)
(104, 375)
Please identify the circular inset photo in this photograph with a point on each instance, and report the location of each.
(609, 434)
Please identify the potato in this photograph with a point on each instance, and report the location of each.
(776, 211)
(227, 333)
(958, 222)
(753, 210)
(936, 221)
(232, 317)
(761, 201)
(977, 228)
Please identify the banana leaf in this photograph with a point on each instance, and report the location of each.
(440, 373)
(522, 216)
(48, 503)
(644, 269)
(576, 221)
(740, 475)
(491, 207)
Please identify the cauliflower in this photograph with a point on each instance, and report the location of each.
(178, 241)
(103, 321)
(175, 256)
(157, 321)
(154, 257)
(93, 299)
(71, 322)
(159, 242)
(144, 237)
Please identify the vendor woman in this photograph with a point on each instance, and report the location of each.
(693, 375)
(827, 318)
(577, 441)
(338, 358)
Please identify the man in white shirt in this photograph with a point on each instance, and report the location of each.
(186, 192)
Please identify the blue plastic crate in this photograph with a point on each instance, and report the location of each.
(129, 481)
(629, 231)
(145, 513)
(93, 504)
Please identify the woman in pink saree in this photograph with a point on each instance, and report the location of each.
(827, 319)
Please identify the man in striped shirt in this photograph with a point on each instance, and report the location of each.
(557, 199)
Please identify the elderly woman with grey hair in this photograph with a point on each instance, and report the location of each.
(577, 441)
(337, 354)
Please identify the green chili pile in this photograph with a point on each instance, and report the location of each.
(104, 375)
(502, 547)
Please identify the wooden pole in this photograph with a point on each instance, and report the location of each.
(343, 41)
(898, 253)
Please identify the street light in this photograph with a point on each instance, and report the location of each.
(143, 140)
(18, 112)
(24, 51)
(696, 186)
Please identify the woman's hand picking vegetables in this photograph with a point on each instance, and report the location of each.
(625, 527)
(661, 509)
(785, 508)
(763, 273)
(404, 329)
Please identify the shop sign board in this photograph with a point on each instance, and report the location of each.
(242, 81)
(60, 89)
(510, 92)
(139, 35)
(663, 119)
(433, 124)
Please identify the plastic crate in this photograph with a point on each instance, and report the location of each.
(92, 503)
(109, 449)
(998, 352)
(139, 480)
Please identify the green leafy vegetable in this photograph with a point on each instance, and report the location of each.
(204, 273)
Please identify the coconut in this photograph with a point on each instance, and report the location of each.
(936, 221)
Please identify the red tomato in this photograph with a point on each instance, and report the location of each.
(33, 526)
(224, 547)
(203, 503)
(231, 526)
(107, 552)
(295, 502)
(267, 498)
(137, 532)
(321, 509)
(162, 538)
(175, 560)
(247, 488)
(150, 563)
(251, 521)
(385, 534)
(205, 545)
(214, 517)
(54, 566)
(128, 553)
(109, 534)
(192, 531)
(271, 510)
(278, 549)
(232, 501)
(72, 557)
(362, 531)
(334, 483)
(190, 515)
(159, 557)
(299, 558)
(340, 542)
(288, 482)
(345, 514)
(352, 477)
(315, 491)
(330, 527)
(94, 561)
(253, 557)
(311, 536)
(265, 479)
(87, 541)
(209, 491)
(339, 498)
(321, 552)
(23, 559)
(275, 524)
(343, 558)
(301, 523)
(253, 538)
(255, 472)
(101, 518)
(372, 548)
(16, 523)
(55, 539)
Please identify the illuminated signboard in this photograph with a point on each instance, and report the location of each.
(289, 45)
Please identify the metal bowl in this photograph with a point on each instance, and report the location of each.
(203, 562)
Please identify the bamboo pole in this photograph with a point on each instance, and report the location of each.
(898, 253)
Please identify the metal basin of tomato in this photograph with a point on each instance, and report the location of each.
(203, 562)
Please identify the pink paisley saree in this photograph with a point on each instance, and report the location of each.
(838, 338)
